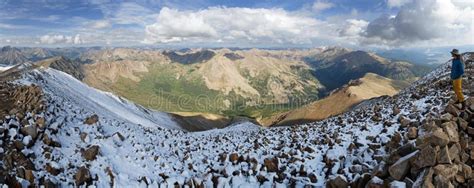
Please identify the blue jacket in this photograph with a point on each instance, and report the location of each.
(457, 69)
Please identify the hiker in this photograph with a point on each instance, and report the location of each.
(457, 70)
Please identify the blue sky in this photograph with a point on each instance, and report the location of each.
(231, 23)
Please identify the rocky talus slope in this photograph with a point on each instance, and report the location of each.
(442, 156)
(414, 138)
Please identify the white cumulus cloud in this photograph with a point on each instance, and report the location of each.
(321, 5)
(231, 25)
(435, 22)
(353, 28)
(60, 39)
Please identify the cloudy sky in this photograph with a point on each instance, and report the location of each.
(232, 23)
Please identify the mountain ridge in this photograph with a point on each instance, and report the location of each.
(252, 82)
(339, 101)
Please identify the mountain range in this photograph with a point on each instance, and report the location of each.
(253, 83)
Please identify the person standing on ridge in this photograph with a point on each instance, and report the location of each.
(457, 70)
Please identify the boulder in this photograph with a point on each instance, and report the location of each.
(222, 157)
(234, 157)
(41, 122)
(442, 182)
(395, 111)
(313, 178)
(92, 119)
(29, 176)
(47, 183)
(429, 126)
(444, 156)
(425, 179)
(83, 136)
(16, 159)
(463, 124)
(452, 110)
(401, 167)
(435, 138)
(446, 117)
(454, 153)
(450, 128)
(18, 144)
(394, 142)
(427, 157)
(30, 130)
(82, 176)
(412, 133)
(447, 171)
(470, 130)
(338, 181)
(404, 122)
(50, 142)
(360, 181)
(90, 153)
(271, 164)
(381, 170)
(375, 182)
(52, 169)
(466, 171)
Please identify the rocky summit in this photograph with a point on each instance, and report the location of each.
(56, 131)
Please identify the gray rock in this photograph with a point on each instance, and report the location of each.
(451, 129)
(427, 157)
(399, 170)
(444, 156)
(442, 182)
(425, 179)
(447, 171)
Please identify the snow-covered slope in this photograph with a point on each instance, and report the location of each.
(126, 148)
(4, 68)
(102, 103)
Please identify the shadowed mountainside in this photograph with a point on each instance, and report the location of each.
(339, 101)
